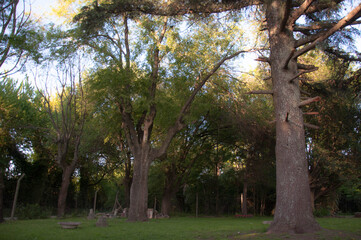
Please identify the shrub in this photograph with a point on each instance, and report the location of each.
(322, 212)
(32, 211)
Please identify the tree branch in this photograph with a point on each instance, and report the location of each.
(349, 19)
(311, 126)
(308, 101)
(296, 14)
(302, 72)
(261, 92)
(179, 123)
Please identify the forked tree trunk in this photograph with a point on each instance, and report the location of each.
(293, 212)
(139, 189)
(63, 192)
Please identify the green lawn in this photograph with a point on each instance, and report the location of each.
(181, 228)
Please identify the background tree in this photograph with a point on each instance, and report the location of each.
(139, 105)
(67, 112)
(19, 37)
(333, 149)
(19, 120)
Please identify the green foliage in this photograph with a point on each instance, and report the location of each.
(322, 212)
(20, 38)
(32, 211)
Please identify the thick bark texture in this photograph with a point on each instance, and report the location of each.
(139, 189)
(127, 180)
(63, 192)
(293, 212)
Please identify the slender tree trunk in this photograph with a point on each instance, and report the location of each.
(139, 189)
(63, 193)
(2, 187)
(244, 195)
(127, 181)
(293, 212)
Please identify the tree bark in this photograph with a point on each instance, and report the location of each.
(167, 200)
(139, 189)
(293, 212)
(127, 180)
(244, 198)
(63, 192)
(2, 186)
(169, 191)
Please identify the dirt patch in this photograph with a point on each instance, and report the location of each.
(325, 234)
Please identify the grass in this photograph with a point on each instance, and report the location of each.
(175, 228)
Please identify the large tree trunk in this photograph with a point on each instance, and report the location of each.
(169, 191)
(139, 189)
(63, 193)
(293, 212)
(2, 186)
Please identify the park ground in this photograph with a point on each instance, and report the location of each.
(182, 228)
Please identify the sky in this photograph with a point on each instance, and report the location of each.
(40, 8)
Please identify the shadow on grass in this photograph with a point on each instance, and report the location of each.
(325, 234)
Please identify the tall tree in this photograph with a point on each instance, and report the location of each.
(138, 94)
(293, 208)
(67, 112)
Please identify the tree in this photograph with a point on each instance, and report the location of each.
(67, 112)
(17, 124)
(293, 208)
(18, 37)
(137, 93)
(332, 151)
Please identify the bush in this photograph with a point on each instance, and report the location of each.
(32, 211)
(322, 212)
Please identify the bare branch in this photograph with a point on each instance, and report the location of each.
(305, 67)
(319, 26)
(308, 101)
(302, 72)
(261, 92)
(311, 126)
(311, 113)
(296, 14)
(304, 92)
(349, 19)
(263, 59)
